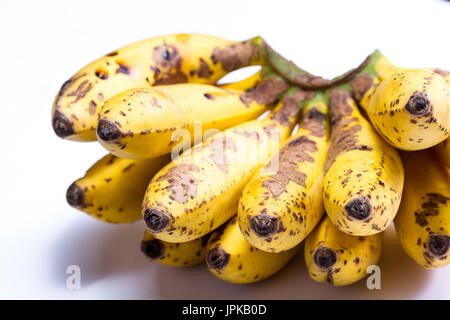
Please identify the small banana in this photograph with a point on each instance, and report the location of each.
(231, 258)
(174, 254)
(199, 190)
(363, 183)
(169, 59)
(410, 108)
(113, 188)
(278, 208)
(134, 120)
(443, 151)
(423, 221)
(339, 258)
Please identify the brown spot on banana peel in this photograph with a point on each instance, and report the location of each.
(75, 196)
(291, 105)
(360, 84)
(265, 92)
(314, 121)
(293, 153)
(430, 208)
(182, 184)
(203, 70)
(167, 68)
(438, 245)
(219, 145)
(152, 249)
(217, 258)
(442, 73)
(80, 92)
(235, 56)
(344, 131)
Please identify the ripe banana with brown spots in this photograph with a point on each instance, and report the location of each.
(423, 221)
(339, 258)
(281, 206)
(148, 122)
(200, 189)
(363, 182)
(161, 60)
(113, 188)
(231, 258)
(410, 108)
(174, 254)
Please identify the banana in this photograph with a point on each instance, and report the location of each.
(423, 221)
(364, 176)
(200, 189)
(132, 121)
(279, 208)
(339, 258)
(174, 254)
(113, 188)
(168, 59)
(443, 151)
(410, 108)
(231, 258)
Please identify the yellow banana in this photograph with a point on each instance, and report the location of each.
(444, 74)
(140, 123)
(231, 258)
(199, 190)
(423, 221)
(174, 254)
(113, 188)
(364, 176)
(161, 60)
(278, 208)
(339, 258)
(410, 108)
(443, 151)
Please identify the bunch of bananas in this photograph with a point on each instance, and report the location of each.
(300, 158)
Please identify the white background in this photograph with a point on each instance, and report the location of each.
(43, 43)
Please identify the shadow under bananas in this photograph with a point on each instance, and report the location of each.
(401, 278)
(101, 250)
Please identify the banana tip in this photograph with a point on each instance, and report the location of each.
(75, 196)
(264, 225)
(107, 130)
(325, 257)
(155, 220)
(153, 249)
(62, 126)
(359, 208)
(217, 258)
(438, 244)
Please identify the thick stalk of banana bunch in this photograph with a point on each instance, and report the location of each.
(410, 108)
(339, 258)
(231, 258)
(363, 182)
(423, 221)
(161, 60)
(200, 189)
(280, 206)
(148, 122)
(113, 188)
(184, 254)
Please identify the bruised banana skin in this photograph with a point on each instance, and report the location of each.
(163, 60)
(200, 190)
(423, 221)
(279, 208)
(231, 258)
(339, 258)
(141, 123)
(113, 188)
(363, 181)
(174, 254)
